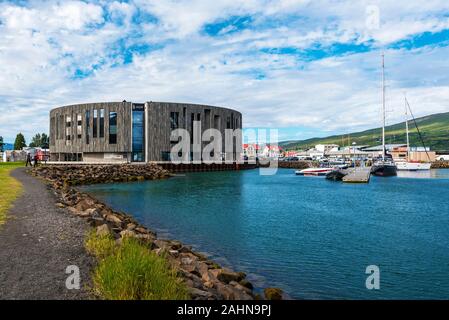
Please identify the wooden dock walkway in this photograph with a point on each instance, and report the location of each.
(358, 175)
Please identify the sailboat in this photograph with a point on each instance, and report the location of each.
(384, 167)
(407, 164)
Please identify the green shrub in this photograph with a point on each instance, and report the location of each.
(131, 271)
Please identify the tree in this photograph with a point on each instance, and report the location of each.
(40, 141)
(1, 144)
(20, 142)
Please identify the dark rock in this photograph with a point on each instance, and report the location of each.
(273, 293)
(246, 284)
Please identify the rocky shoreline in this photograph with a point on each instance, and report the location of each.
(205, 279)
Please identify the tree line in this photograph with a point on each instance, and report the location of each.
(40, 140)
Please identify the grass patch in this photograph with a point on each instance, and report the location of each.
(10, 188)
(130, 271)
(100, 246)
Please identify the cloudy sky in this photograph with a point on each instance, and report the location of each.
(309, 68)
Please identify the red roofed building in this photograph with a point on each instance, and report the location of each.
(251, 150)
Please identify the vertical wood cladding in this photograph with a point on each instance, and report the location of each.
(159, 123)
(158, 126)
(97, 144)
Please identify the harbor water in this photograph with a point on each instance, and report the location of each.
(311, 237)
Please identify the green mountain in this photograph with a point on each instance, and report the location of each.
(434, 129)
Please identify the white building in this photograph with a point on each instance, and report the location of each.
(326, 148)
(271, 151)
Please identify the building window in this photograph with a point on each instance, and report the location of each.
(61, 127)
(68, 125)
(57, 127)
(52, 130)
(112, 127)
(217, 122)
(101, 123)
(79, 126)
(95, 124)
(174, 120)
(192, 119)
(228, 123)
(207, 118)
(87, 125)
(138, 135)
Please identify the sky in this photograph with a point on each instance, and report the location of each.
(306, 68)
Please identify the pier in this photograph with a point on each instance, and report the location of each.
(357, 175)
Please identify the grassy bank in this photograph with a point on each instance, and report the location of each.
(10, 188)
(130, 271)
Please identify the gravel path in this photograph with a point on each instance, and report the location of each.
(37, 243)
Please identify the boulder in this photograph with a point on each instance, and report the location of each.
(246, 284)
(239, 287)
(198, 294)
(113, 218)
(103, 230)
(273, 293)
(131, 226)
(227, 276)
(127, 234)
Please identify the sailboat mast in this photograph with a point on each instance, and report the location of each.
(406, 126)
(383, 106)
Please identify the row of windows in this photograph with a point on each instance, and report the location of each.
(97, 126)
(231, 121)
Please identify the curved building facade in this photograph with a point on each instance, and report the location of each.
(132, 132)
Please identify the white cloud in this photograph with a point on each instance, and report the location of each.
(43, 43)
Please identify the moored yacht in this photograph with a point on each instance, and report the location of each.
(407, 164)
(384, 167)
(412, 165)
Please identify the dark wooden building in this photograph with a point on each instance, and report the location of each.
(134, 132)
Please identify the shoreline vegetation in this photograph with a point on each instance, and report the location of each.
(10, 188)
(202, 278)
(129, 271)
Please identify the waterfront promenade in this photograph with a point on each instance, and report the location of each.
(37, 243)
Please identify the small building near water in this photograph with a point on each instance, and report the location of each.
(416, 154)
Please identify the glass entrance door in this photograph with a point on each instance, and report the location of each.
(138, 133)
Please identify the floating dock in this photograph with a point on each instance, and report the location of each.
(357, 175)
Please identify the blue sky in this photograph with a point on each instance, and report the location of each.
(306, 68)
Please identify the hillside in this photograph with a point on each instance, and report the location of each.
(434, 128)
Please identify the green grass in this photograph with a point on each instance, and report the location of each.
(434, 129)
(130, 271)
(10, 188)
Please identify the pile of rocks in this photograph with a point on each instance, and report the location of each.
(204, 278)
(440, 164)
(296, 164)
(90, 174)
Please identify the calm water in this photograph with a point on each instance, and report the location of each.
(311, 237)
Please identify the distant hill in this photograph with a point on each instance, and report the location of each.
(434, 129)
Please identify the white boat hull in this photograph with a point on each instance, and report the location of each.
(313, 172)
(413, 166)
